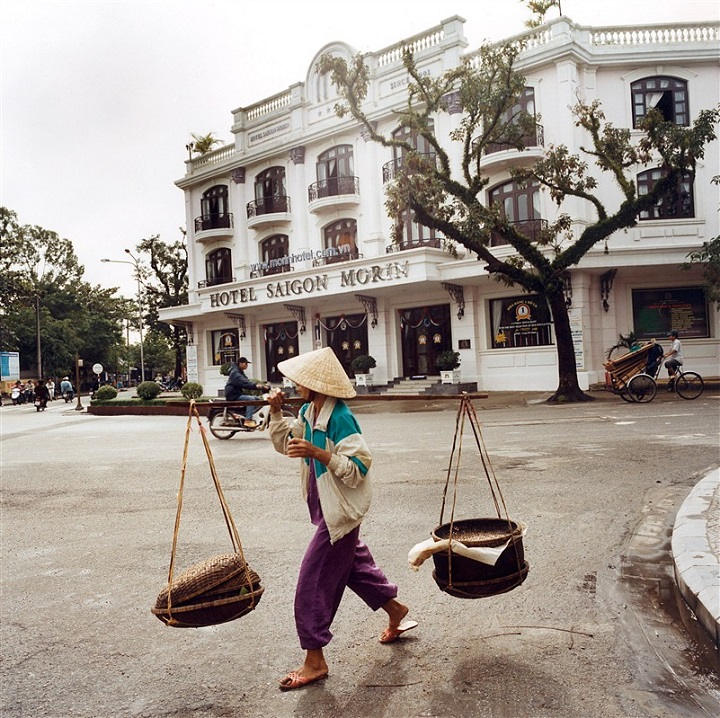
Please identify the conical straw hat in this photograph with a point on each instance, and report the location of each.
(320, 371)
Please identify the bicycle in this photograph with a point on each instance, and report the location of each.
(642, 387)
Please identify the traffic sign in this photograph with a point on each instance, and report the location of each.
(97, 368)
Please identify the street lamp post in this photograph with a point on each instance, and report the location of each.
(135, 263)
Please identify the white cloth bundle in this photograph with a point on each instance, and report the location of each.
(489, 555)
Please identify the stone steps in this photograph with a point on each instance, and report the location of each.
(412, 386)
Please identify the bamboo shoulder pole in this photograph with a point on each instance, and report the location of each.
(297, 401)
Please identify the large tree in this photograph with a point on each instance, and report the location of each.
(452, 201)
(49, 314)
(164, 277)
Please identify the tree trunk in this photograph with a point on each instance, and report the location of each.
(179, 347)
(37, 336)
(568, 388)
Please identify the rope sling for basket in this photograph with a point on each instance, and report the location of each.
(232, 530)
(466, 409)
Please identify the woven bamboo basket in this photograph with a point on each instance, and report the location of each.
(463, 577)
(217, 590)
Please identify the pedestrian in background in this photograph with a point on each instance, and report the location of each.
(50, 385)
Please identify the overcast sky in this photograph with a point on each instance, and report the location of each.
(99, 97)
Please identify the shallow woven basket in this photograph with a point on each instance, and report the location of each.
(217, 590)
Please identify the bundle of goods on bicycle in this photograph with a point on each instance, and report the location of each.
(629, 364)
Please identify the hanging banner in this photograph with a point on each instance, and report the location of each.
(192, 363)
(576, 331)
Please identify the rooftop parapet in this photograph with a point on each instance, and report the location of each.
(537, 41)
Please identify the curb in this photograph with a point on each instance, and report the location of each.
(696, 558)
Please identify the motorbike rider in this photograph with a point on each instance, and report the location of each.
(238, 383)
(42, 395)
(66, 389)
(16, 393)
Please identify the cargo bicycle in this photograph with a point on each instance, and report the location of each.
(633, 376)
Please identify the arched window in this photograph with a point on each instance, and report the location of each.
(413, 233)
(214, 208)
(340, 241)
(520, 204)
(270, 192)
(524, 106)
(678, 203)
(418, 142)
(218, 267)
(335, 172)
(668, 95)
(274, 251)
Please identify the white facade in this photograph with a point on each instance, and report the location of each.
(402, 304)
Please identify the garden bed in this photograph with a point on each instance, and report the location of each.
(138, 407)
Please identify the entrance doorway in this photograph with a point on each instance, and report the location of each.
(281, 342)
(347, 335)
(424, 333)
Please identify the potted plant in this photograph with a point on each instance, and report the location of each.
(448, 362)
(361, 366)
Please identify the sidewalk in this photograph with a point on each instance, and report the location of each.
(696, 552)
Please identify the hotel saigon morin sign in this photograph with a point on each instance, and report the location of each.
(282, 289)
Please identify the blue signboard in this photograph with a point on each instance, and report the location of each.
(9, 366)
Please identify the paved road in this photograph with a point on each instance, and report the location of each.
(88, 505)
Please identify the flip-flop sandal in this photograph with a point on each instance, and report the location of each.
(293, 680)
(390, 635)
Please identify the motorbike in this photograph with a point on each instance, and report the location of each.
(68, 395)
(226, 421)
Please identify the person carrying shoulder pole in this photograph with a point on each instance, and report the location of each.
(335, 481)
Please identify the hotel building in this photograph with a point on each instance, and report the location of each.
(290, 247)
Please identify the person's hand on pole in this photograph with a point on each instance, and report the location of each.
(276, 400)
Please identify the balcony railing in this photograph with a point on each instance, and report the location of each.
(333, 187)
(268, 205)
(436, 242)
(341, 256)
(531, 228)
(213, 221)
(532, 139)
(390, 169)
(266, 271)
(214, 282)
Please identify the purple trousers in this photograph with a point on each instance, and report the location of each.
(325, 572)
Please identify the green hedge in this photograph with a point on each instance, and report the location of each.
(148, 390)
(106, 392)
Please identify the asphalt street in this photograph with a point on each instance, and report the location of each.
(88, 507)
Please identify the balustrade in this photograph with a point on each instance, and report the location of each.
(268, 205)
(333, 187)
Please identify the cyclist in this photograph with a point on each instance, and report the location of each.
(674, 358)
